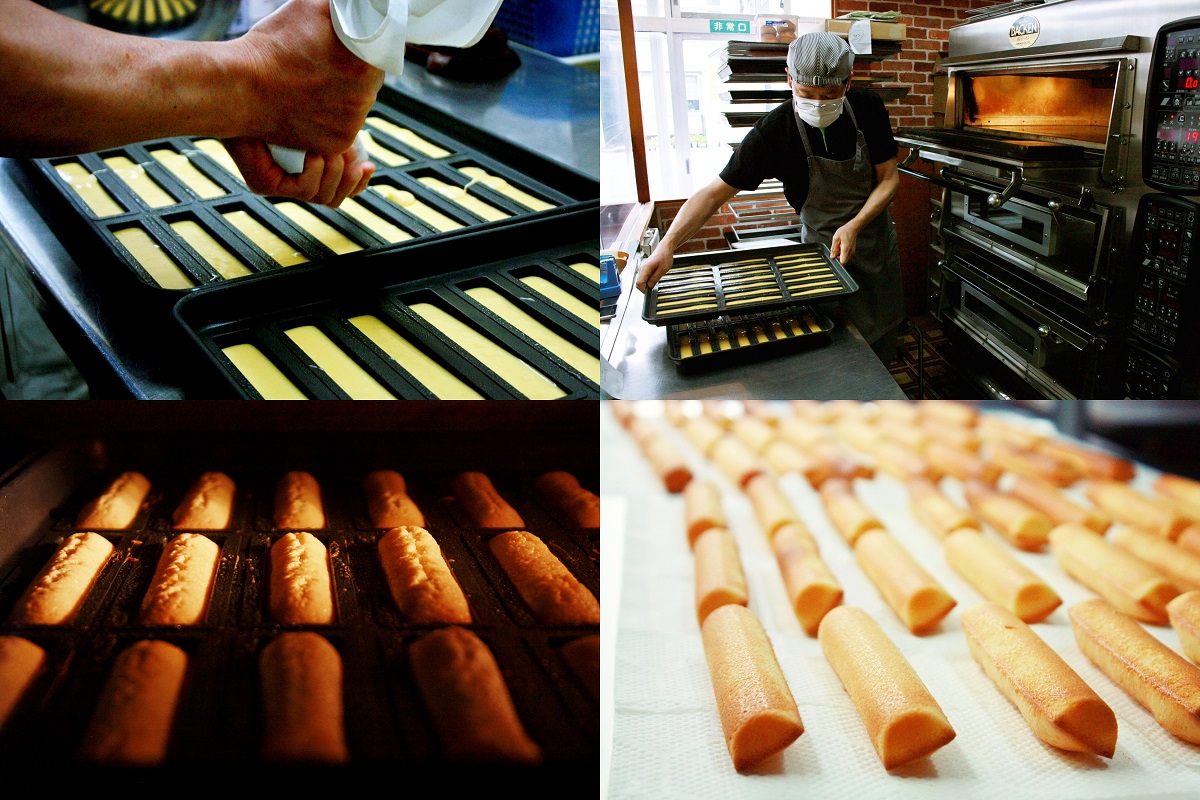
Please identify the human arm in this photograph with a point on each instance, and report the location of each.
(70, 88)
(887, 183)
(691, 217)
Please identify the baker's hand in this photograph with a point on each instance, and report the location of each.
(306, 90)
(654, 268)
(845, 242)
(326, 180)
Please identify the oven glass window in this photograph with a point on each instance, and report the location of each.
(1019, 335)
(1069, 106)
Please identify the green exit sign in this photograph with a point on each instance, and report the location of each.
(729, 26)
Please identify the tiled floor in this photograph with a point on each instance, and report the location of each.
(941, 382)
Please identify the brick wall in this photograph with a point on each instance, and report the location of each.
(927, 32)
(928, 27)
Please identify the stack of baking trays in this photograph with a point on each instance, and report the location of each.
(730, 306)
(174, 219)
(513, 693)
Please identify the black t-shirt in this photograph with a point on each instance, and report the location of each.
(773, 148)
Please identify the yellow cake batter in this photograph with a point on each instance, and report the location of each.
(408, 201)
(321, 230)
(382, 154)
(705, 344)
(685, 345)
(521, 376)
(217, 152)
(499, 184)
(89, 189)
(147, 252)
(334, 362)
(586, 363)
(186, 171)
(143, 185)
(444, 384)
(685, 309)
(266, 378)
(461, 197)
(561, 297)
(212, 251)
(387, 231)
(407, 137)
(589, 271)
(285, 254)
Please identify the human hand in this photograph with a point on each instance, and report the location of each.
(844, 243)
(308, 91)
(654, 268)
(326, 181)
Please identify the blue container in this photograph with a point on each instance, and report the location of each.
(558, 27)
(610, 279)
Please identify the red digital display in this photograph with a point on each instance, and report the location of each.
(1191, 136)
(1189, 82)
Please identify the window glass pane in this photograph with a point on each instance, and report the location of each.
(617, 181)
(641, 8)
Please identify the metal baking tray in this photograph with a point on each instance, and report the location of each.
(258, 309)
(737, 338)
(563, 188)
(218, 720)
(707, 285)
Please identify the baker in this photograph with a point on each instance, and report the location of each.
(833, 151)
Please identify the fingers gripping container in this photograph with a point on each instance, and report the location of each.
(218, 723)
(173, 215)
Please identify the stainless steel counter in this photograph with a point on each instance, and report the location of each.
(844, 368)
(122, 350)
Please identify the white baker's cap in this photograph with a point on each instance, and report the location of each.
(819, 59)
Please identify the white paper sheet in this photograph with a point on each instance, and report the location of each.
(662, 738)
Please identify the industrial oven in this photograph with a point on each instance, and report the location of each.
(1069, 169)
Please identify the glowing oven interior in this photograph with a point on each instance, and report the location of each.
(1073, 106)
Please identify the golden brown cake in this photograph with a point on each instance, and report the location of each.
(1058, 706)
(182, 581)
(758, 712)
(583, 657)
(462, 686)
(580, 507)
(388, 502)
(301, 676)
(482, 504)
(719, 578)
(420, 581)
(208, 503)
(20, 660)
(117, 506)
(903, 720)
(555, 596)
(298, 502)
(131, 724)
(60, 588)
(300, 587)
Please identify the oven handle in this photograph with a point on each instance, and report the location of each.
(993, 199)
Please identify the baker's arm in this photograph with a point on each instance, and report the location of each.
(70, 87)
(691, 217)
(845, 238)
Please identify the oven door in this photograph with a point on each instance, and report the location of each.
(1057, 359)
(1052, 239)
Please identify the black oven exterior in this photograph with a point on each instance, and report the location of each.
(1042, 210)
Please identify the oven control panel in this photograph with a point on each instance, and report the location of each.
(1149, 376)
(1171, 139)
(1165, 252)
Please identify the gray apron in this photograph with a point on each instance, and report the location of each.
(836, 192)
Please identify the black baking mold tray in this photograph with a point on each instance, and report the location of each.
(704, 286)
(778, 336)
(218, 720)
(567, 189)
(258, 309)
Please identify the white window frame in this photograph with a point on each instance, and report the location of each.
(679, 27)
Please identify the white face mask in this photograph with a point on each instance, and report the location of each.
(818, 113)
